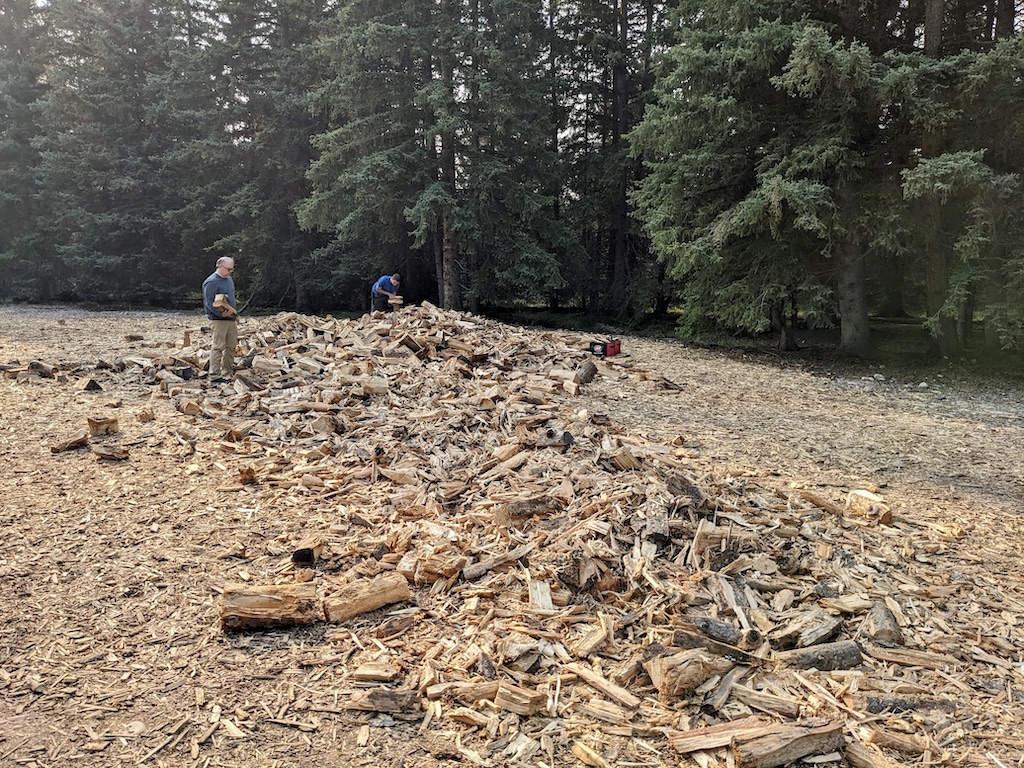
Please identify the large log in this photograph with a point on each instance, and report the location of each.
(275, 605)
(366, 595)
(787, 745)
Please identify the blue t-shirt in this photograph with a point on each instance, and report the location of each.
(213, 285)
(384, 283)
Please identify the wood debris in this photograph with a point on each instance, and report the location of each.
(499, 563)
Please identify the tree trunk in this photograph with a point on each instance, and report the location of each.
(449, 274)
(787, 337)
(937, 267)
(449, 258)
(620, 126)
(854, 328)
(1006, 11)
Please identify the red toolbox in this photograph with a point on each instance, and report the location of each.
(606, 348)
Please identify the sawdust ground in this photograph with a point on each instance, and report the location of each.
(109, 621)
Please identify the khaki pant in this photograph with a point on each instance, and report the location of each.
(222, 353)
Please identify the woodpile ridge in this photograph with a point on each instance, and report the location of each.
(497, 566)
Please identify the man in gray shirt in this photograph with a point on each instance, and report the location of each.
(219, 303)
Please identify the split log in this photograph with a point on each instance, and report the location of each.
(625, 460)
(766, 702)
(522, 701)
(901, 742)
(881, 626)
(844, 654)
(870, 505)
(685, 638)
(111, 452)
(721, 735)
(787, 745)
(101, 425)
(468, 716)
(807, 629)
(428, 568)
(540, 595)
(909, 658)
(608, 688)
(866, 756)
(478, 569)
(605, 711)
(308, 551)
(588, 756)
(681, 673)
(596, 638)
(276, 605)
(385, 700)
(78, 440)
(380, 671)
(821, 502)
(366, 595)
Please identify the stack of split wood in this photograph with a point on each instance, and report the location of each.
(539, 578)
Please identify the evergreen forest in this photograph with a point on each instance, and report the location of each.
(748, 165)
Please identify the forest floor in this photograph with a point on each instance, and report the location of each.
(109, 644)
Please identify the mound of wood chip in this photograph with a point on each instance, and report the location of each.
(539, 579)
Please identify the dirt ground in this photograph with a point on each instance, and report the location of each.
(110, 649)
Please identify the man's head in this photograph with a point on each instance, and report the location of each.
(396, 278)
(225, 266)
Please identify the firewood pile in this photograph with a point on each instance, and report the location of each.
(507, 568)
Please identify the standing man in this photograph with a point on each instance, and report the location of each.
(385, 288)
(219, 302)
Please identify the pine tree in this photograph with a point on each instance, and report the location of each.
(25, 270)
(101, 157)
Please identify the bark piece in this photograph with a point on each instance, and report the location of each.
(276, 605)
(88, 384)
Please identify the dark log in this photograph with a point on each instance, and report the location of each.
(726, 633)
(844, 654)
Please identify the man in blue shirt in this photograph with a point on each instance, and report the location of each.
(221, 311)
(385, 288)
